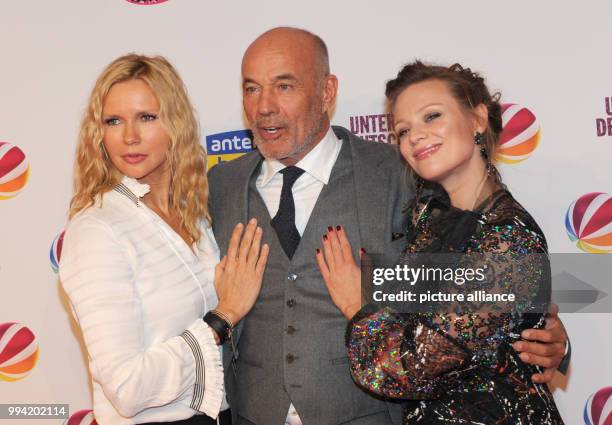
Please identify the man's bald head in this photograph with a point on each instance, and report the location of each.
(288, 92)
(310, 45)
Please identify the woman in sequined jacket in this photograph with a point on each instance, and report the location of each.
(454, 362)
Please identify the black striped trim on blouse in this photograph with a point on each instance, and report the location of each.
(198, 390)
(124, 190)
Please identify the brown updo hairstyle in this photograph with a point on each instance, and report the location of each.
(467, 87)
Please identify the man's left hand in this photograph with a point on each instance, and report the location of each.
(544, 347)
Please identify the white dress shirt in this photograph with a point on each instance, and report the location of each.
(317, 164)
(138, 293)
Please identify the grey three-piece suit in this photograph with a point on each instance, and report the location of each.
(291, 345)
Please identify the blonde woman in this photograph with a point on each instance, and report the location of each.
(140, 263)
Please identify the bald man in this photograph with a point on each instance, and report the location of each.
(291, 362)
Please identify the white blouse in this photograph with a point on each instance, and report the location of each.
(138, 293)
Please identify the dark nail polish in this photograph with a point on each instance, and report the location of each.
(362, 250)
(330, 229)
(338, 228)
(324, 237)
(318, 251)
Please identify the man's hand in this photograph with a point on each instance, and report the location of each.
(544, 347)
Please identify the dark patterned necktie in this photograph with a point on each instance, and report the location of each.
(284, 220)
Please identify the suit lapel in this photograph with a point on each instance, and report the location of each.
(372, 193)
(237, 206)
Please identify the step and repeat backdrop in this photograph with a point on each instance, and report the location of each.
(549, 59)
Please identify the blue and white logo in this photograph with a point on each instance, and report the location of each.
(226, 146)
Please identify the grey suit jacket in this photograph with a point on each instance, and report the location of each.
(367, 192)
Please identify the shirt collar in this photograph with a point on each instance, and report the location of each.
(132, 188)
(318, 162)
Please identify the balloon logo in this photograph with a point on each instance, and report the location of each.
(82, 417)
(147, 2)
(55, 252)
(14, 170)
(588, 222)
(598, 408)
(520, 135)
(18, 351)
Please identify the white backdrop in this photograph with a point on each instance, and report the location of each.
(551, 57)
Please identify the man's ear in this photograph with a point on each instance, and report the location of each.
(330, 90)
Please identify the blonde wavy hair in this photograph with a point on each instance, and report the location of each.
(94, 174)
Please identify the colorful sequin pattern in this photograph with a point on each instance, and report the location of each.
(461, 368)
